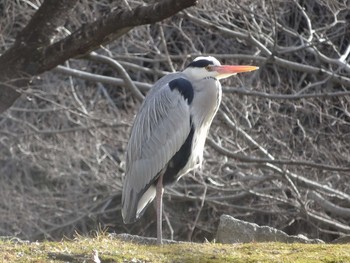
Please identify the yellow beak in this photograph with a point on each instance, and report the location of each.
(225, 71)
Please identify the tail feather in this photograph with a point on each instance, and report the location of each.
(133, 205)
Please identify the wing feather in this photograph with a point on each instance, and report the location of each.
(160, 128)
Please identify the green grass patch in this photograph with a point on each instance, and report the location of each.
(109, 249)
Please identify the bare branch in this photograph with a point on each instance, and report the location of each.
(297, 96)
(248, 159)
(328, 221)
(329, 206)
(114, 64)
(43, 25)
(25, 61)
(99, 78)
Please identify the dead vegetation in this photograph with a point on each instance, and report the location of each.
(108, 248)
(278, 153)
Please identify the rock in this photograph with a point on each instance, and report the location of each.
(232, 230)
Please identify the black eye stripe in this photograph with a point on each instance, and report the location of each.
(202, 63)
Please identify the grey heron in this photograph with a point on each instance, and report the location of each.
(169, 132)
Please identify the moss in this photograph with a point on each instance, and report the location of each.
(112, 250)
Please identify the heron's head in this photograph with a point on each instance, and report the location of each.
(203, 67)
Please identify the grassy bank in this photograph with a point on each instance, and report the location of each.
(108, 249)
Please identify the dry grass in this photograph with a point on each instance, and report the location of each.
(109, 249)
(62, 145)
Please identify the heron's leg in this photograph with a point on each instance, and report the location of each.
(159, 200)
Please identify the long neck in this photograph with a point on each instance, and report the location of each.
(206, 101)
